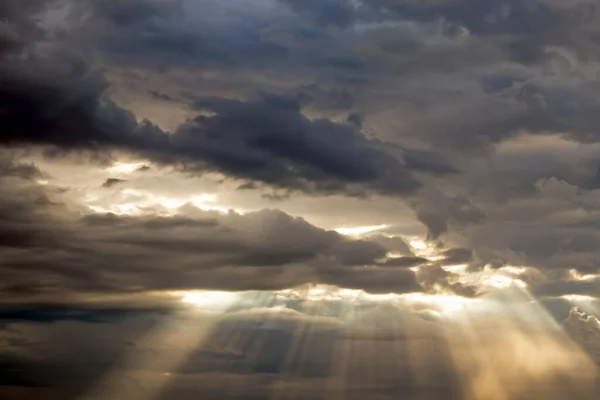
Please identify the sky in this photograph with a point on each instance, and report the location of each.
(300, 199)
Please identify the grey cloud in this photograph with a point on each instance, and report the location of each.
(434, 279)
(110, 182)
(268, 140)
(405, 261)
(558, 287)
(48, 247)
(533, 24)
(437, 211)
(160, 96)
(391, 243)
(457, 256)
(585, 330)
(539, 231)
(455, 91)
(131, 12)
(328, 12)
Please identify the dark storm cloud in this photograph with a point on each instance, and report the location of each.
(160, 34)
(327, 12)
(270, 140)
(129, 12)
(267, 140)
(532, 24)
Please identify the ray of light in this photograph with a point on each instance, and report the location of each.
(514, 348)
(209, 299)
(304, 348)
(343, 352)
(175, 339)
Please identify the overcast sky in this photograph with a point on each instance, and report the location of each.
(300, 199)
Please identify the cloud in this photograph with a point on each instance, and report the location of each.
(110, 182)
(48, 247)
(60, 101)
(329, 12)
(441, 117)
(585, 330)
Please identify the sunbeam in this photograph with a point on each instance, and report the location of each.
(512, 349)
(174, 338)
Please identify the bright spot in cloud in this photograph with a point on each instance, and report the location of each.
(171, 203)
(577, 298)
(418, 244)
(446, 304)
(208, 299)
(134, 201)
(360, 230)
(488, 278)
(579, 277)
(424, 249)
(330, 293)
(124, 168)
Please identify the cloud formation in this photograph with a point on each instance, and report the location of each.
(480, 116)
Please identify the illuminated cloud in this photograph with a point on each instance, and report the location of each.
(341, 199)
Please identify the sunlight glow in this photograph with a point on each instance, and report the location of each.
(423, 249)
(360, 230)
(174, 338)
(418, 244)
(135, 201)
(124, 168)
(442, 303)
(579, 277)
(585, 303)
(488, 279)
(576, 298)
(446, 304)
(208, 299)
(520, 361)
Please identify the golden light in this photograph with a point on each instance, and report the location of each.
(423, 249)
(576, 275)
(359, 230)
(443, 304)
(418, 244)
(208, 299)
(585, 303)
(124, 168)
(515, 351)
(488, 279)
(576, 298)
